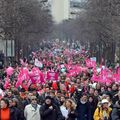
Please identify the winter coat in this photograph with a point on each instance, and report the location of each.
(31, 114)
(115, 115)
(115, 99)
(99, 113)
(92, 108)
(25, 102)
(50, 114)
(64, 111)
(56, 101)
(82, 111)
(5, 114)
(15, 114)
(71, 115)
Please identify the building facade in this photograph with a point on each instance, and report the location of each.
(74, 10)
(65, 9)
(60, 10)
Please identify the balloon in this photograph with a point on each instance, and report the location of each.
(9, 71)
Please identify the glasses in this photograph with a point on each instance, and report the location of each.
(34, 99)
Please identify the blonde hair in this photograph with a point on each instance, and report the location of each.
(73, 105)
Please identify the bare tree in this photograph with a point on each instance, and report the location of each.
(98, 28)
(25, 21)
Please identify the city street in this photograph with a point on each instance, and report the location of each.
(59, 60)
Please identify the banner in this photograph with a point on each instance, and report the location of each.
(23, 75)
(51, 75)
(38, 63)
(90, 63)
(36, 76)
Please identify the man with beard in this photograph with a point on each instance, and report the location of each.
(49, 111)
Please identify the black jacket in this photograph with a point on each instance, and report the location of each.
(91, 110)
(50, 114)
(72, 115)
(82, 111)
(115, 115)
(15, 114)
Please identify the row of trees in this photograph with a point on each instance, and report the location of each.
(25, 21)
(103, 22)
(98, 28)
(29, 21)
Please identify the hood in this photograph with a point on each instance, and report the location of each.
(117, 105)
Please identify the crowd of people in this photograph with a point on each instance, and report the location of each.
(57, 84)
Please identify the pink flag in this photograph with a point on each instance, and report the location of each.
(23, 75)
(104, 77)
(34, 54)
(23, 63)
(118, 70)
(71, 73)
(52, 75)
(116, 77)
(95, 78)
(36, 76)
(90, 63)
(84, 69)
(7, 83)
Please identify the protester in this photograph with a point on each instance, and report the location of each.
(5, 112)
(82, 108)
(19, 113)
(116, 97)
(54, 98)
(64, 110)
(92, 107)
(71, 106)
(103, 112)
(115, 115)
(14, 111)
(8, 112)
(55, 75)
(49, 110)
(32, 111)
